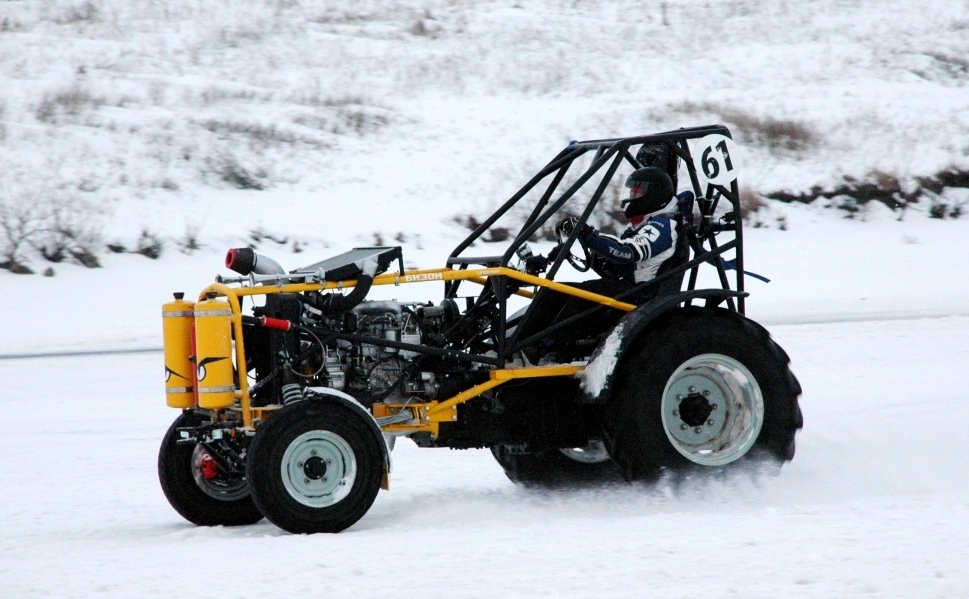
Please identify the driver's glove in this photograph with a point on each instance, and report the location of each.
(564, 227)
(536, 264)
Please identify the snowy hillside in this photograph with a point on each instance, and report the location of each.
(339, 119)
(307, 128)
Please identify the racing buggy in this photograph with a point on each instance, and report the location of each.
(290, 408)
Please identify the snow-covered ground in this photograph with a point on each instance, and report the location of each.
(875, 504)
(389, 118)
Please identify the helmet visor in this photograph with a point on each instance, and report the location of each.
(637, 189)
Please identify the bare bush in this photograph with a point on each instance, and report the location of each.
(72, 231)
(426, 26)
(942, 208)
(214, 95)
(229, 169)
(750, 204)
(7, 25)
(21, 219)
(357, 120)
(264, 136)
(189, 241)
(260, 234)
(82, 12)
(149, 245)
(70, 102)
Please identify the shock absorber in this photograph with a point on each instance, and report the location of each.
(291, 392)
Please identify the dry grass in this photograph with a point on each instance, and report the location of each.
(774, 133)
(750, 203)
(70, 102)
(82, 12)
(257, 134)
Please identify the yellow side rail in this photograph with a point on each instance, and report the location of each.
(429, 414)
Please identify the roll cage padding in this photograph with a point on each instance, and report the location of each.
(633, 324)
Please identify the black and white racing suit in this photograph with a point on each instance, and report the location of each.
(623, 261)
(639, 250)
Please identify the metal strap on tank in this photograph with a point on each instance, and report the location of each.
(222, 389)
(179, 389)
(203, 313)
(176, 313)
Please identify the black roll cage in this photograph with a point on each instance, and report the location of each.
(609, 154)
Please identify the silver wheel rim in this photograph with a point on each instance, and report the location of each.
(216, 488)
(593, 453)
(318, 469)
(712, 410)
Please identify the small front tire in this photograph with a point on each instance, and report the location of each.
(316, 466)
(203, 499)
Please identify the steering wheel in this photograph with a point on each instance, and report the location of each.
(563, 229)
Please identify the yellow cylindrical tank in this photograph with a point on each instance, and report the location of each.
(213, 354)
(178, 317)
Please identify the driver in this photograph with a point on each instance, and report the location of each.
(651, 237)
(623, 261)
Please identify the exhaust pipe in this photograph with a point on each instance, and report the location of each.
(246, 261)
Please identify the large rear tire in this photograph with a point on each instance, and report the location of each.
(315, 466)
(705, 389)
(195, 488)
(558, 468)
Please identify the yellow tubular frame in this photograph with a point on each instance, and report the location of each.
(426, 415)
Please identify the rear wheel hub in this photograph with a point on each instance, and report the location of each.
(712, 410)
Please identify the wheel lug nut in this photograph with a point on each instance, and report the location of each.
(697, 430)
(713, 407)
(299, 465)
(306, 480)
(324, 479)
(328, 462)
(710, 422)
(680, 398)
(313, 452)
(682, 427)
(706, 392)
(676, 412)
(692, 389)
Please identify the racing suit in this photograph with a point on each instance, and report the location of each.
(639, 251)
(622, 261)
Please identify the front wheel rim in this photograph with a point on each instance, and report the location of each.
(318, 469)
(712, 410)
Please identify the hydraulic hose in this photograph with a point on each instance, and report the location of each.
(332, 304)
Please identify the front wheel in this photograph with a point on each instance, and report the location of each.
(195, 485)
(315, 466)
(705, 388)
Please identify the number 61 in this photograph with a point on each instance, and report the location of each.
(715, 158)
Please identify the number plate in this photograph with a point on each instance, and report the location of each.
(715, 158)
